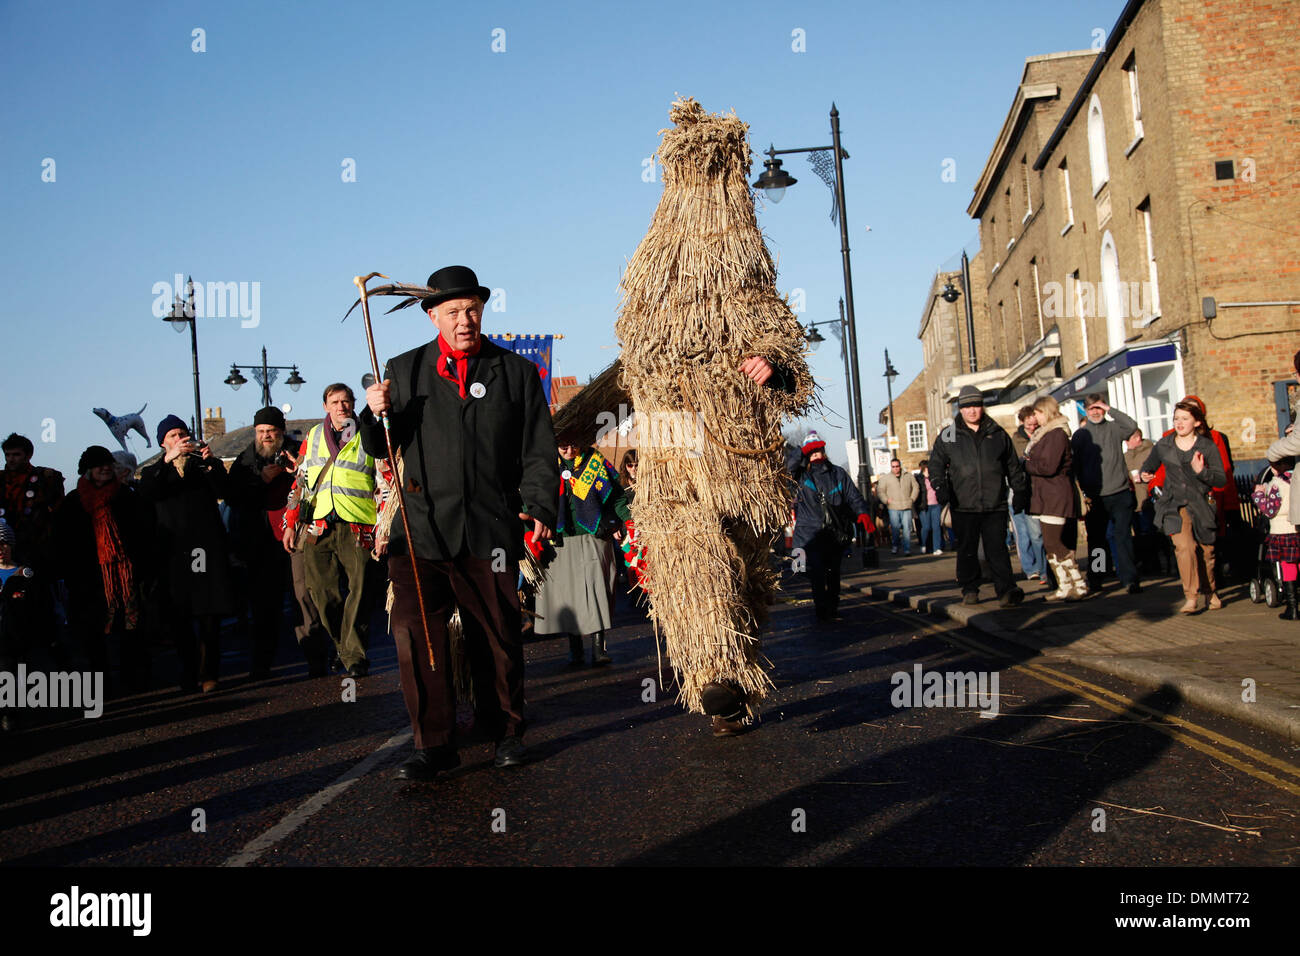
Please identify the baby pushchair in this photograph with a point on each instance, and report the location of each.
(1266, 583)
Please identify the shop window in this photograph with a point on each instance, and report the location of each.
(916, 436)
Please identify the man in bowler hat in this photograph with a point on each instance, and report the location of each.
(474, 429)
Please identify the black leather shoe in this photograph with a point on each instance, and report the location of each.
(722, 700)
(427, 764)
(1012, 597)
(359, 669)
(1135, 588)
(510, 752)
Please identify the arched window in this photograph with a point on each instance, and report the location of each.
(1112, 295)
(1097, 146)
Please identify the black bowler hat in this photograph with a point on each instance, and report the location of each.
(453, 282)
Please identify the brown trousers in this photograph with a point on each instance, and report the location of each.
(1197, 571)
(489, 611)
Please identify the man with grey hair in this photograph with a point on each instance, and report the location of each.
(1104, 480)
(480, 469)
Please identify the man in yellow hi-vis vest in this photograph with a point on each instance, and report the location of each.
(339, 536)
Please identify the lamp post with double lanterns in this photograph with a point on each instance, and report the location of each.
(265, 375)
(774, 181)
(181, 315)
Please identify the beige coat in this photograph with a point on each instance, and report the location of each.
(898, 493)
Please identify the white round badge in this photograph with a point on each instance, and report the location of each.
(566, 474)
(478, 390)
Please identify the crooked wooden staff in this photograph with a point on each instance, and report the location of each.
(360, 283)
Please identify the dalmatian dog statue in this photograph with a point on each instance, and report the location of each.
(119, 425)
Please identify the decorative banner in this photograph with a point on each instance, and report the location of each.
(535, 348)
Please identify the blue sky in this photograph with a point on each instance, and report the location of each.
(525, 164)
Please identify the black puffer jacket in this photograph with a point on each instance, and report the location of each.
(970, 470)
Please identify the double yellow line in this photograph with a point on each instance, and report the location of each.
(1245, 758)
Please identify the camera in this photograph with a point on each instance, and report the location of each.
(282, 459)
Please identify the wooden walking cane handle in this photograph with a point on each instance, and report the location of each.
(360, 283)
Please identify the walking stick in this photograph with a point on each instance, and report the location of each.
(360, 282)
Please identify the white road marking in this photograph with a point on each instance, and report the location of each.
(303, 813)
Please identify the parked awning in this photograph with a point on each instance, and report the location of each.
(1110, 366)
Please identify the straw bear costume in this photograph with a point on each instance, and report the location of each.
(712, 493)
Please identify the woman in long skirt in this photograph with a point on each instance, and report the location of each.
(578, 596)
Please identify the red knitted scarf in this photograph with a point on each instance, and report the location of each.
(114, 565)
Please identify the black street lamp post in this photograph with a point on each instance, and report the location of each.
(815, 339)
(182, 314)
(265, 375)
(891, 373)
(775, 181)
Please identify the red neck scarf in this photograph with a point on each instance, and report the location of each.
(114, 566)
(460, 359)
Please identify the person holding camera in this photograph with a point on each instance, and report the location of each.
(194, 585)
(260, 479)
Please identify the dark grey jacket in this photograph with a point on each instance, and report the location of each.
(1099, 454)
(1185, 488)
(472, 464)
(970, 470)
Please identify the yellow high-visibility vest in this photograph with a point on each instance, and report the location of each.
(348, 488)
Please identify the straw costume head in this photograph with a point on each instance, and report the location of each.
(699, 299)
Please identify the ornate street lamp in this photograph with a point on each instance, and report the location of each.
(774, 181)
(181, 315)
(265, 375)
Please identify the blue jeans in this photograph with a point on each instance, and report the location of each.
(1029, 543)
(900, 526)
(932, 527)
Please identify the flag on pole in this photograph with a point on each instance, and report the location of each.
(535, 348)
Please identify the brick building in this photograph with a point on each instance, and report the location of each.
(1126, 186)
(915, 434)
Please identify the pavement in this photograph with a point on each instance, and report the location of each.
(1214, 659)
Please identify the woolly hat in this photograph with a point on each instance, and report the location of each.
(813, 443)
(269, 416)
(93, 457)
(968, 396)
(6, 532)
(167, 424)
